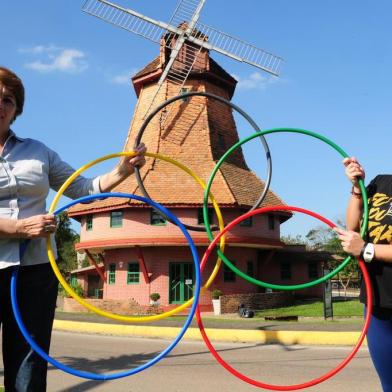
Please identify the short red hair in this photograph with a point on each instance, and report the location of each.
(15, 85)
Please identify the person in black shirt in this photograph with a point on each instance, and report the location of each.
(376, 251)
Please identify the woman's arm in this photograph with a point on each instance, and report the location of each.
(354, 212)
(354, 172)
(60, 171)
(353, 243)
(34, 227)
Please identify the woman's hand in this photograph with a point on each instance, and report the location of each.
(125, 168)
(351, 241)
(354, 171)
(127, 165)
(37, 226)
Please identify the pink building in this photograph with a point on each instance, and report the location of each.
(140, 253)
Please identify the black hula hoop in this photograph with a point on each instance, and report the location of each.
(237, 109)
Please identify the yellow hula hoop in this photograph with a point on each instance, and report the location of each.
(118, 317)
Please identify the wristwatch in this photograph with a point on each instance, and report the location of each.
(367, 252)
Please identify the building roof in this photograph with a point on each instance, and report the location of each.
(215, 71)
(150, 67)
(171, 187)
(85, 269)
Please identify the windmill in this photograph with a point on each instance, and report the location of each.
(183, 30)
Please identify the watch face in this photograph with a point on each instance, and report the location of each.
(368, 254)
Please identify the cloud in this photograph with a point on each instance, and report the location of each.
(56, 59)
(255, 81)
(123, 78)
(39, 49)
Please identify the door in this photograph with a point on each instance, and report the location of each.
(93, 286)
(181, 282)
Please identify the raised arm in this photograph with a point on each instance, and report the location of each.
(351, 240)
(354, 172)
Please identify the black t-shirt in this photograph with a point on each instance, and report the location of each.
(380, 232)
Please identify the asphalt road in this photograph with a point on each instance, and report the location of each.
(190, 367)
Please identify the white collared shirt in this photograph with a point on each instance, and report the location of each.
(28, 170)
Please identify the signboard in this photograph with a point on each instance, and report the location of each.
(327, 296)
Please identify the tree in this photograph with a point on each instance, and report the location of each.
(290, 240)
(324, 239)
(66, 238)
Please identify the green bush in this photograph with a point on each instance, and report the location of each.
(216, 293)
(78, 289)
(75, 287)
(155, 296)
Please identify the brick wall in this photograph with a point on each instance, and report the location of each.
(123, 307)
(255, 301)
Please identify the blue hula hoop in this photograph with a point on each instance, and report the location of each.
(95, 376)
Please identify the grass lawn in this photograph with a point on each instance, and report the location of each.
(351, 308)
(316, 309)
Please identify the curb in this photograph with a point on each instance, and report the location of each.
(219, 335)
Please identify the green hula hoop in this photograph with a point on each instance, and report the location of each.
(229, 263)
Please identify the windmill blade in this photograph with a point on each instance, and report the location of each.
(153, 30)
(127, 19)
(190, 9)
(236, 48)
(186, 10)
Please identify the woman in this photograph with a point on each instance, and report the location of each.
(376, 251)
(28, 169)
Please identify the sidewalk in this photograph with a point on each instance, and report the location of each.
(228, 328)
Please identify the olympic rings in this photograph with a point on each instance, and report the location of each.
(318, 379)
(226, 102)
(195, 309)
(227, 261)
(94, 309)
(94, 376)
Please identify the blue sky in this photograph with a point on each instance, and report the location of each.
(336, 80)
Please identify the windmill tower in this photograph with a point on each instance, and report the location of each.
(185, 35)
(132, 241)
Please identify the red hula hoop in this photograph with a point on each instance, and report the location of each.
(314, 381)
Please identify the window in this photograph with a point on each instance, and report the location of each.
(133, 274)
(112, 274)
(157, 219)
(89, 222)
(184, 90)
(250, 269)
(285, 270)
(271, 221)
(312, 270)
(74, 280)
(248, 222)
(221, 141)
(228, 274)
(116, 219)
(200, 218)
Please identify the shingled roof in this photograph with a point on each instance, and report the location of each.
(150, 67)
(168, 185)
(156, 64)
(214, 71)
